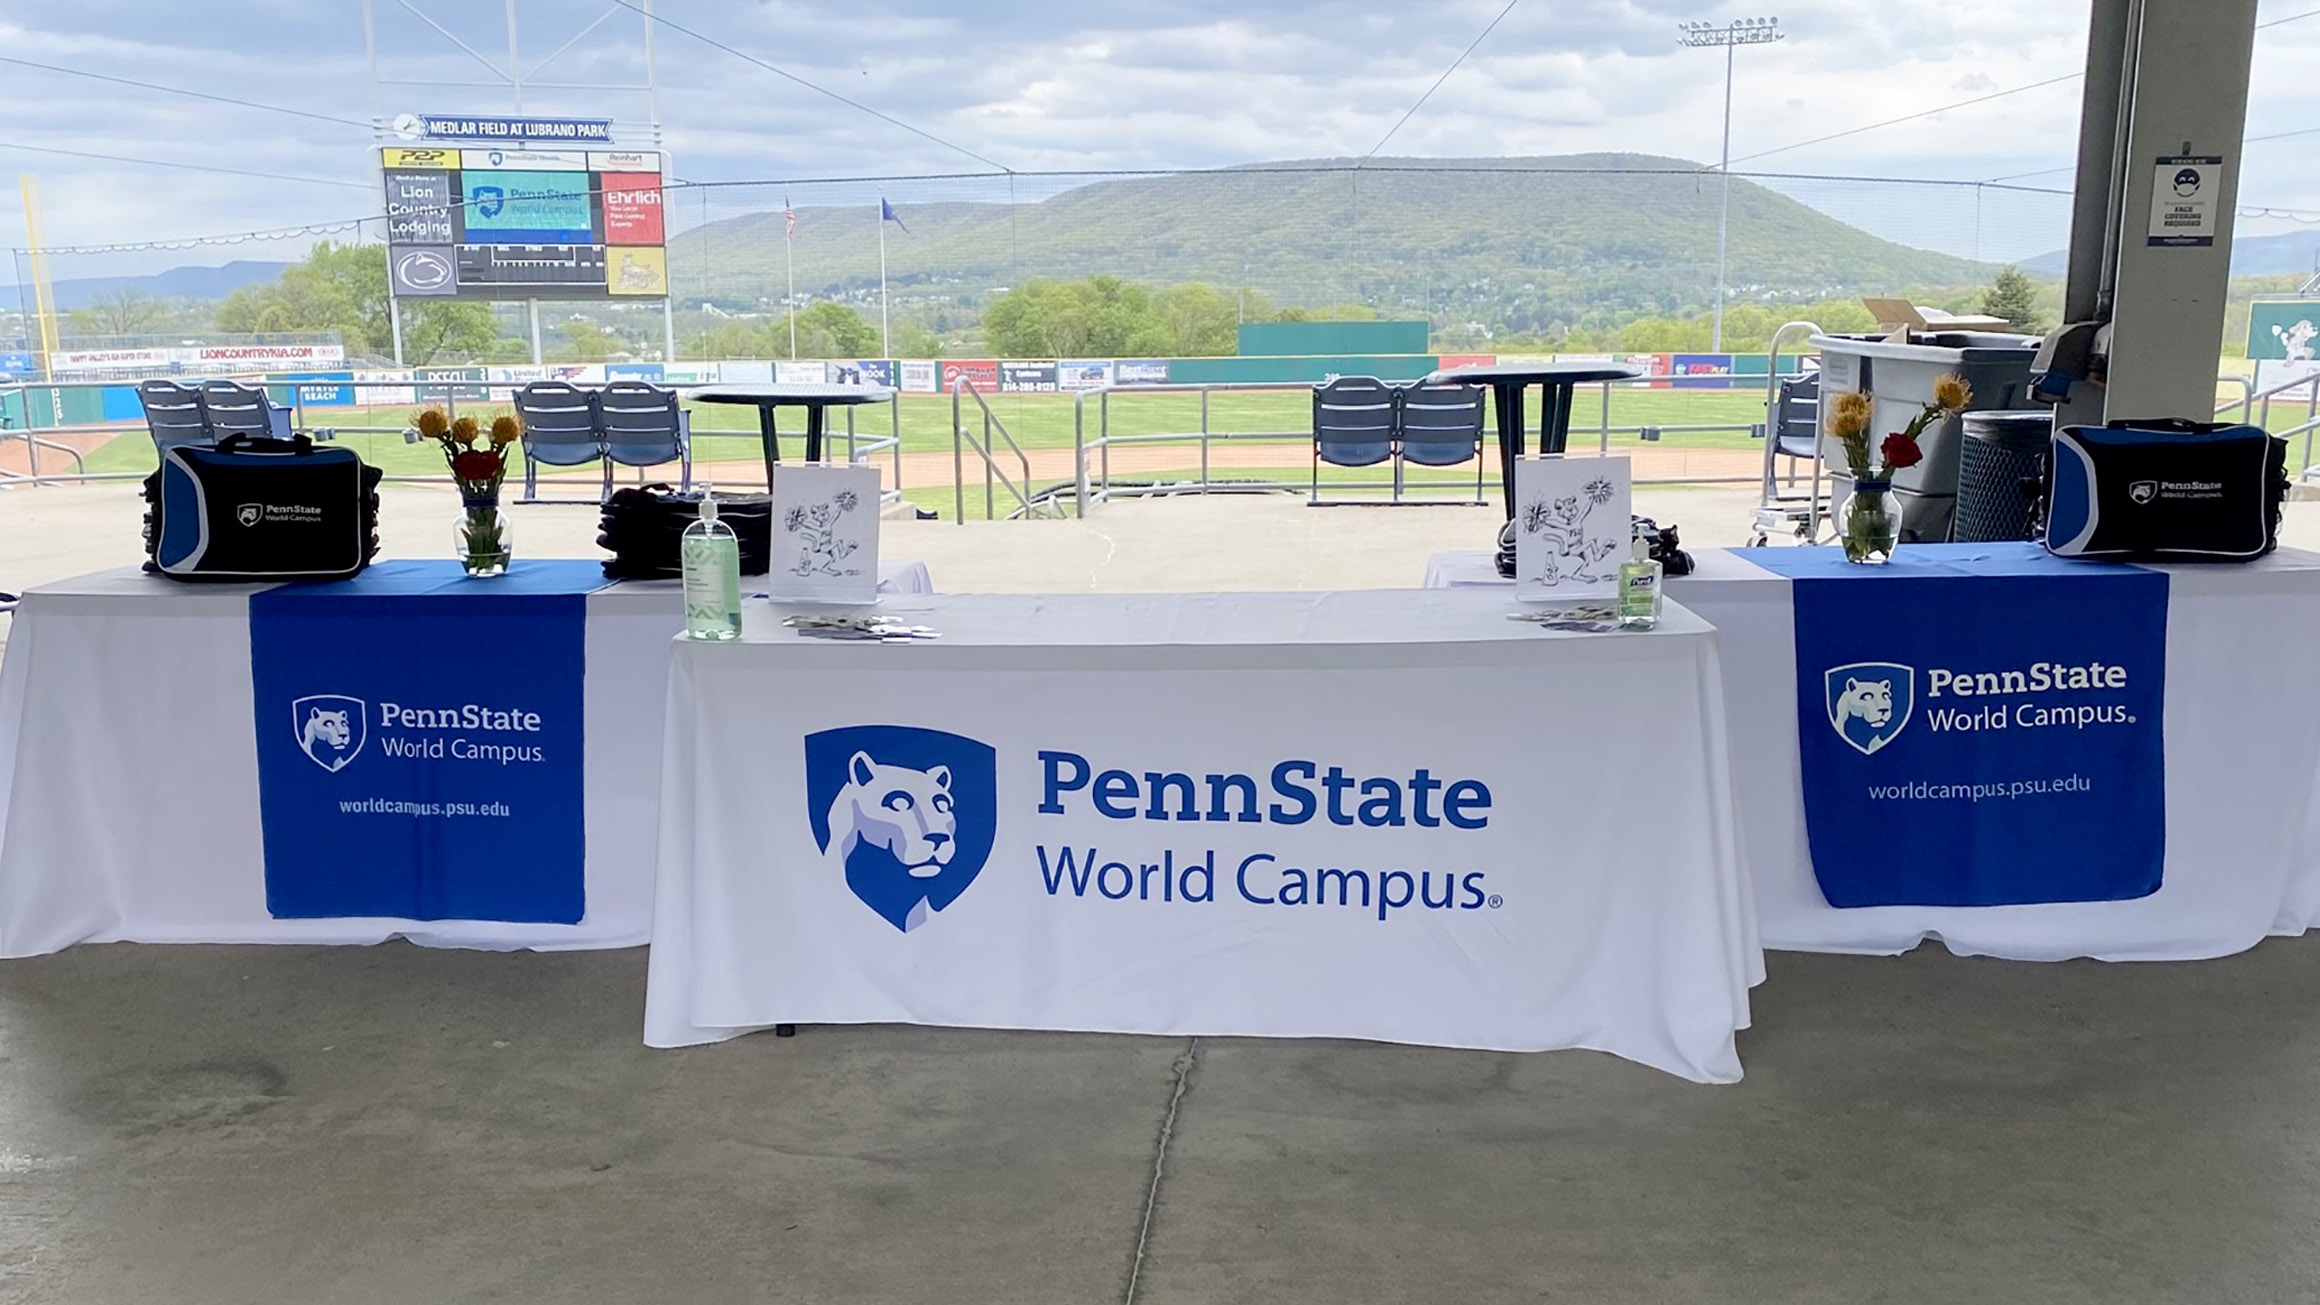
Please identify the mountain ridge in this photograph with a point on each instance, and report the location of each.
(1526, 243)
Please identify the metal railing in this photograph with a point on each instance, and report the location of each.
(313, 420)
(1099, 487)
(2256, 409)
(962, 438)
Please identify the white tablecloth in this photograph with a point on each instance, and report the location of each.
(1601, 902)
(129, 772)
(2243, 775)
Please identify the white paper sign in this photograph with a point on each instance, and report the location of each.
(1572, 527)
(825, 535)
(2183, 195)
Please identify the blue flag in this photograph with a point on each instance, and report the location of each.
(1979, 725)
(886, 212)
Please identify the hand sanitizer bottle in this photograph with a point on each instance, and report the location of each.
(711, 555)
(1639, 587)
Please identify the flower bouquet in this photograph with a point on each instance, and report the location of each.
(1868, 529)
(478, 461)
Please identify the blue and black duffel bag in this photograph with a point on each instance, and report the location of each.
(254, 509)
(2171, 490)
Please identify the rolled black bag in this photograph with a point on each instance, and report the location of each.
(641, 527)
(250, 508)
(2167, 490)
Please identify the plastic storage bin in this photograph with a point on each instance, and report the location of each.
(1899, 377)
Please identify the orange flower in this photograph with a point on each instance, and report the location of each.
(1849, 414)
(431, 423)
(464, 431)
(505, 431)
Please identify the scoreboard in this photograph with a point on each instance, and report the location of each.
(515, 223)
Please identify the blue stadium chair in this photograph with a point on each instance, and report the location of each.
(173, 414)
(1440, 426)
(560, 430)
(1353, 425)
(232, 408)
(644, 427)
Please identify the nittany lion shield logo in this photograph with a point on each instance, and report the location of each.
(1870, 702)
(2143, 491)
(330, 728)
(248, 513)
(490, 200)
(906, 815)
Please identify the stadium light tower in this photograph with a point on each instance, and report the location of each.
(1731, 36)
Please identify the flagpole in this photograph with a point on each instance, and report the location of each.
(885, 334)
(789, 257)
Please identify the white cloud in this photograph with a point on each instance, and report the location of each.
(1050, 85)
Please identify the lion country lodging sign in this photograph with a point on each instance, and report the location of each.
(1978, 731)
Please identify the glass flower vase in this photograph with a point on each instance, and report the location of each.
(481, 538)
(1867, 532)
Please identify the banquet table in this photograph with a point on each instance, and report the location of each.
(130, 741)
(1161, 814)
(815, 398)
(2241, 770)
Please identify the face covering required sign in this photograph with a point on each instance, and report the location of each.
(1979, 726)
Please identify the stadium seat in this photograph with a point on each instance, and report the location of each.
(173, 414)
(1440, 426)
(232, 408)
(643, 427)
(1353, 424)
(560, 429)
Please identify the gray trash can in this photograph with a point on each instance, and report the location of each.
(2001, 462)
(1900, 377)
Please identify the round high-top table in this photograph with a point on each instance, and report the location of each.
(1507, 382)
(814, 398)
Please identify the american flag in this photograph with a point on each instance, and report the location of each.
(789, 216)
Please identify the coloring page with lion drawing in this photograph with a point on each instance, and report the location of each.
(1573, 527)
(825, 535)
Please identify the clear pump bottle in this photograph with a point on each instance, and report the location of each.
(1639, 588)
(711, 556)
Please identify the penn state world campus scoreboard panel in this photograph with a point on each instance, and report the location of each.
(513, 222)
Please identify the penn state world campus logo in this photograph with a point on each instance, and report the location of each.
(2143, 491)
(330, 728)
(1870, 702)
(249, 513)
(906, 815)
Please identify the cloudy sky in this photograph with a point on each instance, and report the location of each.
(1046, 85)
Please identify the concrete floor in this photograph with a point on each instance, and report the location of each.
(389, 1124)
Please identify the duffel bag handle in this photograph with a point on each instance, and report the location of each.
(245, 442)
(2168, 425)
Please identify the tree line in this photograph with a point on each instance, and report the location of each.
(343, 288)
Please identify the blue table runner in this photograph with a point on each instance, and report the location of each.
(1979, 724)
(420, 743)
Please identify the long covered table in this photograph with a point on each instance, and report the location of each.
(1209, 814)
(2209, 818)
(131, 737)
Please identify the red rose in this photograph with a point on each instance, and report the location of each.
(476, 465)
(1900, 451)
